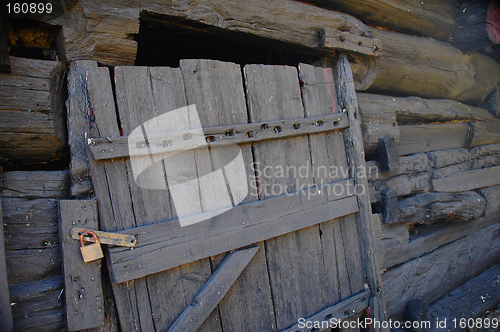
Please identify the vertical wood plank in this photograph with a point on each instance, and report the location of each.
(217, 90)
(116, 210)
(6, 320)
(213, 291)
(355, 154)
(82, 281)
(294, 259)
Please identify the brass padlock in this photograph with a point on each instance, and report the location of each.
(92, 251)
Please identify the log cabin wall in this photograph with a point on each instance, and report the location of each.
(429, 104)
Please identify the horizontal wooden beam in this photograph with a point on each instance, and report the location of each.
(340, 311)
(336, 39)
(213, 291)
(468, 180)
(165, 245)
(470, 300)
(178, 141)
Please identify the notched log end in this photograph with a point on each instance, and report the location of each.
(329, 38)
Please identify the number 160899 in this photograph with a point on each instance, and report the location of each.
(29, 8)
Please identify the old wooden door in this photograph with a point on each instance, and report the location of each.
(306, 237)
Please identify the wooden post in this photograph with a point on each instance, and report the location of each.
(6, 320)
(82, 281)
(355, 154)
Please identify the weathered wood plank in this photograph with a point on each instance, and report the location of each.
(214, 290)
(429, 68)
(355, 155)
(38, 305)
(327, 152)
(418, 311)
(337, 312)
(119, 147)
(428, 208)
(434, 19)
(34, 184)
(336, 39)
(431, 137)
(30, 223)
(223, 84)
(82, 281)
(387, 154)
(389, 204)
(455, 262)
(469, 300)
(114, 174)
(5, 311)
(21, 267)
(245, 224)
(79, 122)
(120, 20)
(35, 85)
(468, 180)
(274, 92)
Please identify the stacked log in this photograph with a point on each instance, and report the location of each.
(32, 126)
(434, 18)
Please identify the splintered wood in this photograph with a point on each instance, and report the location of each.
(188, 209)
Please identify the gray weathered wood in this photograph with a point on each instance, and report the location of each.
(356, 157)
(118, 147)
(468, 180)
(431, 137)
(223, 87)
(470, 300)
(30, 223)
(35, 184)
(434, 19)
(418, 311)
(336, 39)
(387, 154)
(424, 67)
(339, 311)
(428, 208)
(115, 174)
(79, 122)
(389, 203)
(456, 262)
(5, 310)
(214, 290)
(245, 224)
(120, 20)
(38, 305)
(82, 281)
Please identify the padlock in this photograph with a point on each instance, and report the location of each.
(92, 251)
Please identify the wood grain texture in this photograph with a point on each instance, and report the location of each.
(245, 224)
(21, 267)
(38, 305)
(223, 103)
(214, 290)
(34, 184)
(431, 137)
(114, 173)
(82, 281)
(434, 19)
(79, 123)
(468, 180)
(456, 262)
(428, 208)
(85, 22)
(346, 307)
(470, 300)
(429, 68)
(5, 311)
(356, 157)
(119, 147)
